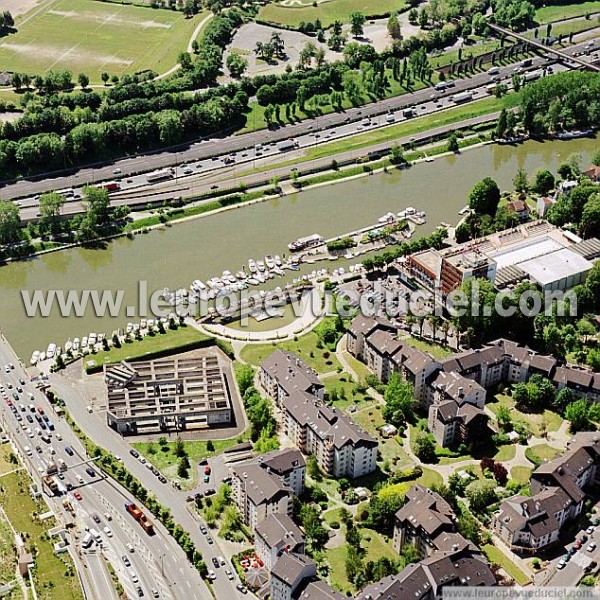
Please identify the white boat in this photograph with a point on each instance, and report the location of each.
(410, 210)
(261, 265)
(129, 328)
(252, 266)
(252, 281)
(51, 350)
(42, 357)
(84, 342)
(68, 345)
(241, 275)
(35, 357)
(260, 277)
(387, 218)
(270, 262)
(92, 339)
(279, 271)
(198, 285)
(75, 344)
(278, 260)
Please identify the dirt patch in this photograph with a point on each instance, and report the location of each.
(20, 7)
(59, 54)
(109, 17)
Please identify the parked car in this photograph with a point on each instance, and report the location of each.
(215, 562)
(134, 453)
(591, 547)
(561, 564)
(590, 530)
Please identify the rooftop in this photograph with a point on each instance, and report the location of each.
(555, 265)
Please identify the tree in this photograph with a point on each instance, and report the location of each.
(425, 447)
(399, 401)
(397, 155)
(245, 378)
(544, 181)
(83, 80)
(520, 181)
(179, 449)
(596, 158)
(210, 447)
(183, 467)
(485, 197)
(10, 222)
(357, 22)
(480, 494)
(237, 65)
(96, 202)
(453, 143)
(312, 468)
(50, 205)
(17, 81)
(590, 219)
(578, 415)
(336, 39)
(316, 534)
(105, 77)
(393, 27)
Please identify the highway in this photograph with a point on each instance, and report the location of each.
(94, 425)
(185, 160)
(158, 567)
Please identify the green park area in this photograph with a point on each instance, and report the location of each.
(54, 575)
(95, 37)
(559, 12)
(497, 557)
(327, 11)
(178, 340)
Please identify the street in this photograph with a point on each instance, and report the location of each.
(98, 502)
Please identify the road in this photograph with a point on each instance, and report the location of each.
(94, 426)
(183, 157)
(102, 585)
(157, 561)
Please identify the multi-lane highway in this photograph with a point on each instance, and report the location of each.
(192, 160)
(153, 565)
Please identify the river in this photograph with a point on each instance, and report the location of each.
(201, 248)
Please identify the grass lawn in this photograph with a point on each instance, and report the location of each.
(495, 556)
(8, 560)
(369, 418)
(506, 452)
(326, 11)
(50, 570)
(533, 421)
(358, 367)
(435, 350)
(170, 340)
(332, 516)
(92, 37)
(342, 386)
(544, 452)
(164, 459)
(521, 475)
(375, 546)
(322, 360)
(5, 465)
(548, 14)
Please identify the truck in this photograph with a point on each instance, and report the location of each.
(408, 113)
(49, 482)
(462, 97)
(52, 469)
(146, 524)
(159, 175)
(87, 540)
(68, 506)
(62, 465)
(286, 145)
(109, 186)
(531, 76)
(50, 425)
(133, 510)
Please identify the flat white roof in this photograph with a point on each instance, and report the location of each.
(555, 266)
(524, 251)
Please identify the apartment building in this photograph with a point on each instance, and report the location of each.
(289, 465)
(275, 536)
(558, 491)
(340, 446)
(282, 373)
(258, 493)
(289, 573)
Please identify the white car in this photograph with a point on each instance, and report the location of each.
(561, 564)
(591, 547)
(130, 547)
(59, 437)
(229, 575)
(590, 530)
(133, 576)
(211, 575)
(108, 532)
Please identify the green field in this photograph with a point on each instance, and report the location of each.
(496, 556)
(92, 37)
(50, 570)
(549, 14)
(326, 10)
(171, 340)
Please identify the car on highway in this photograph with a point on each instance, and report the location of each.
(155, 593)
(90, 472)
(133, 576)
(229, 575)
(96, 517)
(215, 562)
(134, 453)
(140, 591)
(69, 450)
(162, 479)
(241, 588)
(108, 531)
(211, 575)
(209, 540)
(126, 560)
(78, 496)
(206, 478)
(38, 449)
(116, 171)
(130, 547)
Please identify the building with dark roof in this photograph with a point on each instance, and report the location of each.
(340, 446)
(289, 573)
(318, 590)
(276, 535)
(282, 373)
(558, 488)
(288, 464)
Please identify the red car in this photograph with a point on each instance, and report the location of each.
(78, 496)
(207, 470)
(578, 544)
(40, 410)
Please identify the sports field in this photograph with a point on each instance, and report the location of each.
(292, 12)
(91, 36)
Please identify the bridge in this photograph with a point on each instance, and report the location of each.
(559, 53)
